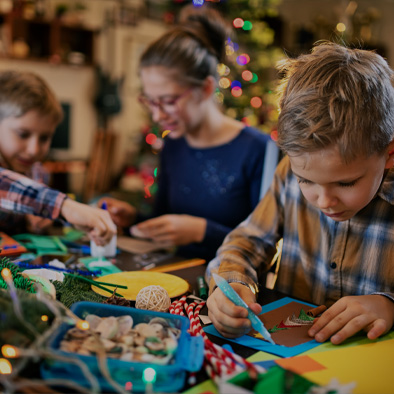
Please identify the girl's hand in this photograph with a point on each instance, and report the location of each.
(371, 313)
(172, 229)
(229, 319)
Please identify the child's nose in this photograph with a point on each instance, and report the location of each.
(33, 147)
(158, 113)
(326, 200)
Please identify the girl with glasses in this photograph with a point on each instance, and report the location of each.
(211, 164)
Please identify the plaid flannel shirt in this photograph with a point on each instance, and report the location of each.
(20, 194)
(322, 260)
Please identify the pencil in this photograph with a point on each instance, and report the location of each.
(175, 266)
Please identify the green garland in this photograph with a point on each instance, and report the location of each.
(72, 290)
(20, 282)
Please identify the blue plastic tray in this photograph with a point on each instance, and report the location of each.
(169, 378)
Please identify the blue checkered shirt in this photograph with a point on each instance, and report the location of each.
(20, 194)
(322, 260)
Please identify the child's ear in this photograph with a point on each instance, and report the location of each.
(390, 155)
(209, 86)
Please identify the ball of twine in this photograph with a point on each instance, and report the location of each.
(153, 298)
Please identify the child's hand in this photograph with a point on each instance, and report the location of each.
(371, 313)
(95, 221)
(122, 213)
(173, 229)
(229, 319)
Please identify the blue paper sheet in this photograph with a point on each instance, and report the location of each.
(265, 346)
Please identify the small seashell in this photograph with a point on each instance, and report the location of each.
(107, 344)
(127, 340)
(158, 330)
(92, 345)
(125, 324)
(141, 349)
(147, 358)
(70, 346)
(93, 321)
(76, 333)
(108, 328)
(160, 320)
(139, 340)
(154, 344)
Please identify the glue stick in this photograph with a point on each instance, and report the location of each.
(108, 250)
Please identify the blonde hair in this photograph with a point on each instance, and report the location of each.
(21, 92)
(336, 95)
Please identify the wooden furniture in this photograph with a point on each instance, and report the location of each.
(47, 39)
(98, 175)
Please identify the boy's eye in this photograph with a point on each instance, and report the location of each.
(347, 184)
(23, 134)
(45, 138)
(301, 180)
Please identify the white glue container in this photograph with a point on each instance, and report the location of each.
(108, 250)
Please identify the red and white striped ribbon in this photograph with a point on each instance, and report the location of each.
(218, 361)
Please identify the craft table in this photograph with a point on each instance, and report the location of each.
(358, 366)
(370, 358)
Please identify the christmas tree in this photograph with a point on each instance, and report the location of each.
(248, 77)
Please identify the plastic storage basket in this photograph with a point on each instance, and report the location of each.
(189, 355)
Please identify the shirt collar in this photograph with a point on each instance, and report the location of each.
(386, 190)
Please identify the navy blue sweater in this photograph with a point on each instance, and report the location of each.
(220, 184)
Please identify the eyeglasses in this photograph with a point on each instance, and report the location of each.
(167, 104)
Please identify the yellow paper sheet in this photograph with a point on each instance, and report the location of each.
(369, 365)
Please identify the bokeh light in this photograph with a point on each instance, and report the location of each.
(83, 325)
(255, 78)
(150, 138)
(9, 351)
(247, 25)
(247, 75)
(238, 23)
(236, 91)
(224, 83)
(5, 366)
(256, 102)
(236, 84)
(341, 27)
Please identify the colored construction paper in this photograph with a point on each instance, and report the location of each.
(304, 364)
(277, 318)
(260, 344)
(368, 366)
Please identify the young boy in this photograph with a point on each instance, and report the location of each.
(29, 115)
(20, 194)
(331, 200)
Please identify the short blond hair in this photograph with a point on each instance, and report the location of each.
(336, 95)
(21, 92)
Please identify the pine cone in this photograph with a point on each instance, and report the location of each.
(115, 300)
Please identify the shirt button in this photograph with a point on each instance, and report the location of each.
(333, 265)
